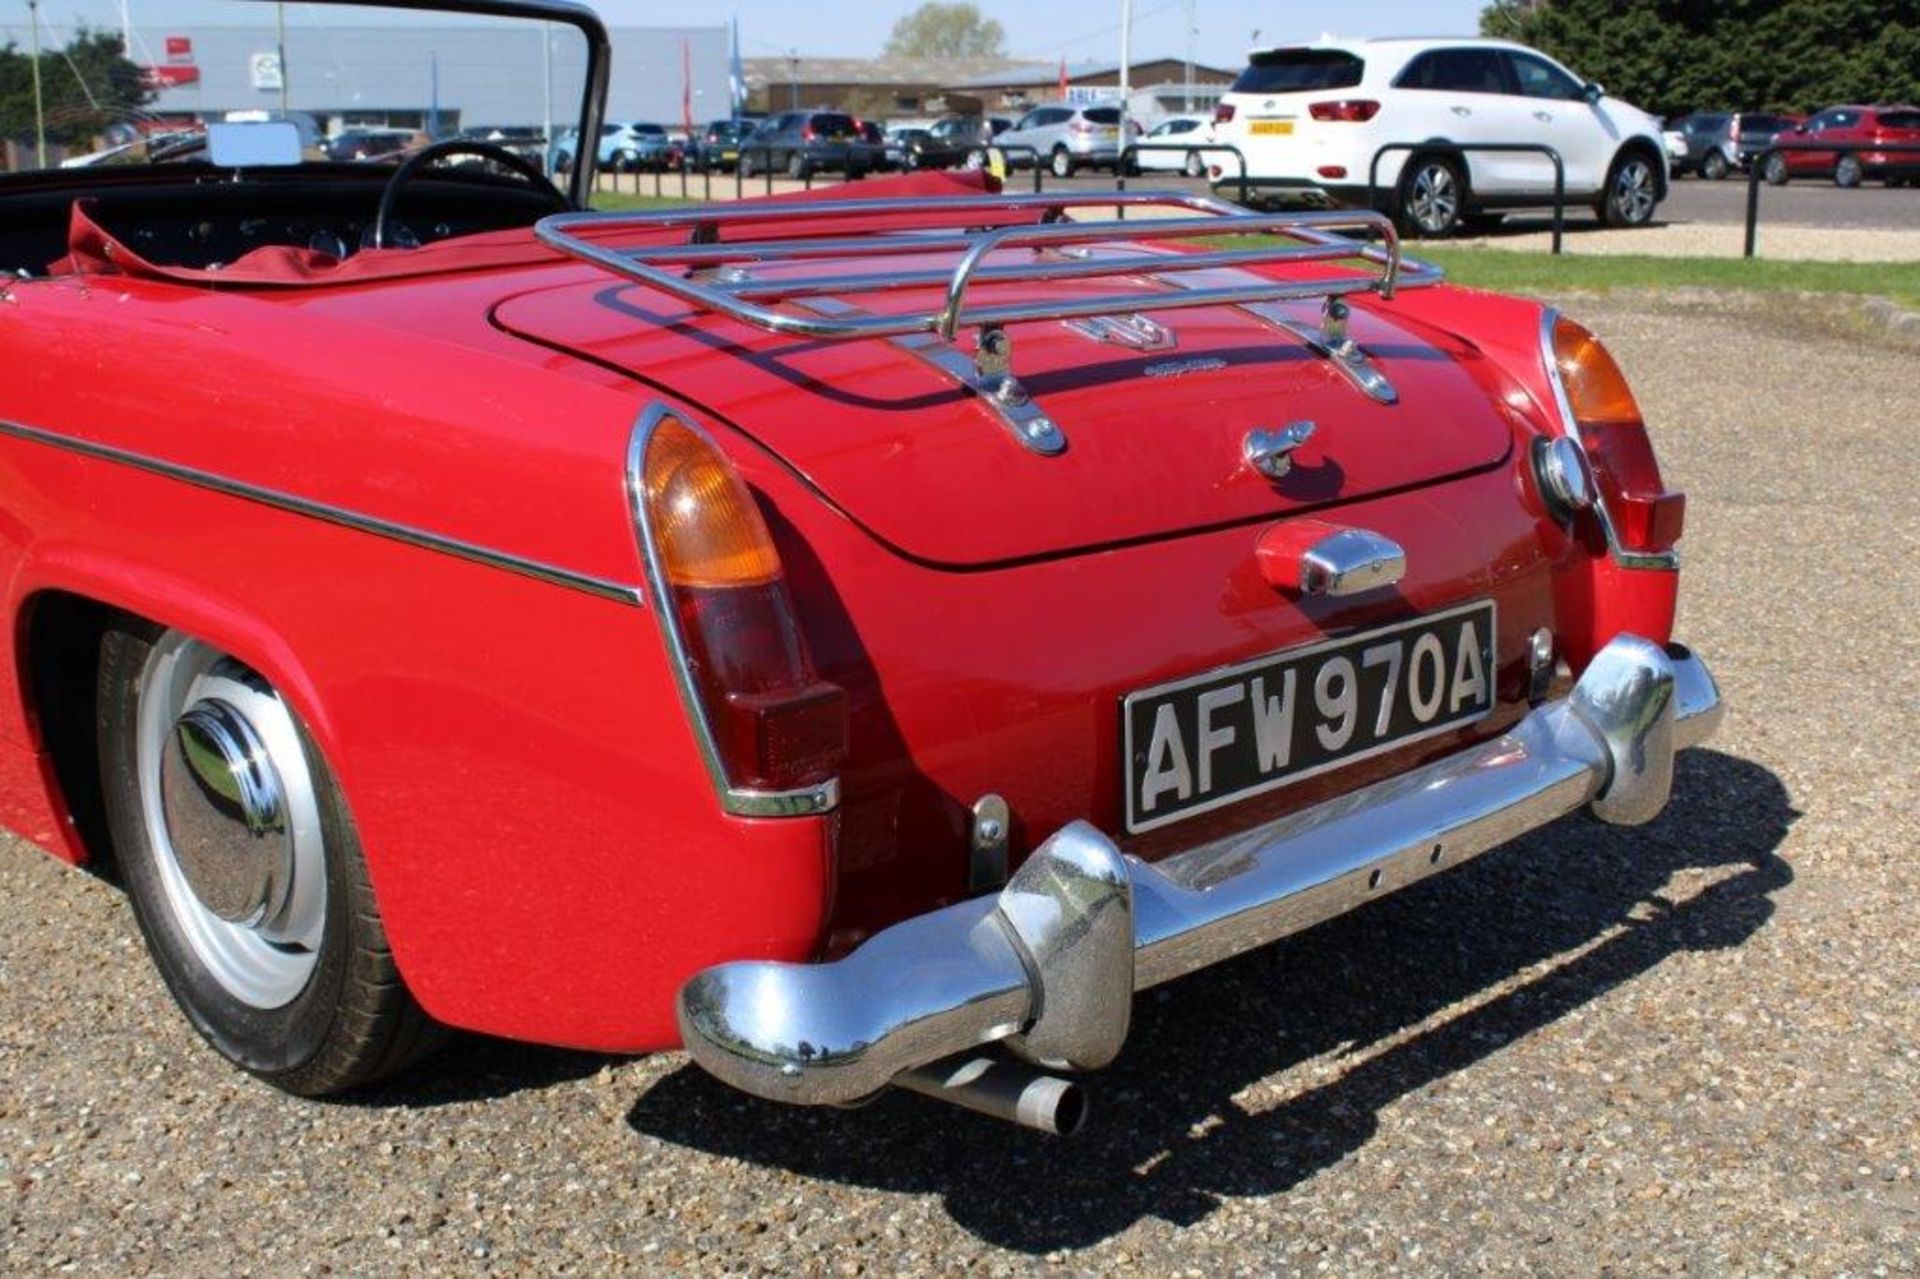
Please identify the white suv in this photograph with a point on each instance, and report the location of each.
(1310, 120)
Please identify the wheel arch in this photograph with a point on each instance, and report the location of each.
(68, 603)
(1652, 154)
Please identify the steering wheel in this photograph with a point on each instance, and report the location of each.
(426, 155)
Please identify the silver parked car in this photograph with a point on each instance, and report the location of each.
(1064, 138)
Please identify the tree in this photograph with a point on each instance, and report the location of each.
(1674, 56)
(85, 87)
(941, 30)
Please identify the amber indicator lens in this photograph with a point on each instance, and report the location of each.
(705, 524)
(1596, 388)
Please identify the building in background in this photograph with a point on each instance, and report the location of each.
(1160, 87)
(440, 77)
(890, 89)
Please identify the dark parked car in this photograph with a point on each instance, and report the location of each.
(367, 144)
(1753, 132)
(1858, 135)
(1699, 143)
(885, 155)
(1716, 143)
(800, 143)
(901, 144)
(952, 140)
(717, 147)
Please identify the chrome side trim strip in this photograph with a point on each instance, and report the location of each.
(807, 801)
(619, 592)
(1659, 560)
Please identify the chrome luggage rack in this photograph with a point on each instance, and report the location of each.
(713, 274)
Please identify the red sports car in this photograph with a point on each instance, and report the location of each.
(1849, 145)
(863, 639)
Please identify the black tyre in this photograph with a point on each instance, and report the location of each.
(746, 165)
(1433, 197)
(1195, 167)
(1715, 166)
(1061, 163)
(796, 166)
(1848, 172)
(1632, 194)
(1775, 171)
(247, 878)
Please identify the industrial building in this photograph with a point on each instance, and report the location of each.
(348, 67)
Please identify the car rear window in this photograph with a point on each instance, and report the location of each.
(1102, 115)
(649, 128)
(832, 124)
(1763, 123)
(1299, 71)
(1900, 119)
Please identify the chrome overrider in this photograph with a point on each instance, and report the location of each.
(1048, 967)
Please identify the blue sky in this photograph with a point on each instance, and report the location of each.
(1078, 30)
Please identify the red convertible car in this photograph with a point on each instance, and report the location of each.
(862, 637)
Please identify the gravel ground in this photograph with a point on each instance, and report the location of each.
(1688, 1047)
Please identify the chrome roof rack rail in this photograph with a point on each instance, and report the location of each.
(708, 271)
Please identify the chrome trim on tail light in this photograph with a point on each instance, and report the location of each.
(821, 797)
(1667, 560)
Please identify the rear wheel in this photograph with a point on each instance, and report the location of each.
(1061, 163)
(1714, 167)
(1632, 194)
(1775, 170)
(746, 165)
(797, 166)
(1195, 166)
(1847, 172)
(244, 871)
(1433, 195)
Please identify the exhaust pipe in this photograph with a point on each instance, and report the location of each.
(1003, 1089)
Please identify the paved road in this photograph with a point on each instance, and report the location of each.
(1691, 1046)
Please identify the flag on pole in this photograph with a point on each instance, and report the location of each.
(736, 79)
(686, 84)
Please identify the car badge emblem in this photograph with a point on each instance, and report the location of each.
(1136, 332)
(1271, 452)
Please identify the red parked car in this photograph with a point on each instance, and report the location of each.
(1853, 146)
(863, 641)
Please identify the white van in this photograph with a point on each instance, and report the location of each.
(1311, 120)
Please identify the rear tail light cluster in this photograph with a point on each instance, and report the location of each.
(1642, 517)
(1081, 126)
(1348, 110)
(1223, 113)
(768, 724)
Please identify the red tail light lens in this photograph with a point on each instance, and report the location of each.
(1350, 110)
(1223, 113)
(771, 723)
(1645, 516)
(806, 134)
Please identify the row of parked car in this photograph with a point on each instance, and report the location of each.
(1855, 143)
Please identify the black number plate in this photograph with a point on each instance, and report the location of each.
(1212, 739)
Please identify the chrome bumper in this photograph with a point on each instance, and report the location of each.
(1049, 965)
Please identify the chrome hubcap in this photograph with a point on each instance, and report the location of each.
(233, 822)
(1633, 191)
(1435, 199)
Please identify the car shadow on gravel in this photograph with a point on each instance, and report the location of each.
(1522, 937)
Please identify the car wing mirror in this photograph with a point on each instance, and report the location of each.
(253, 144)
(1592, 93)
